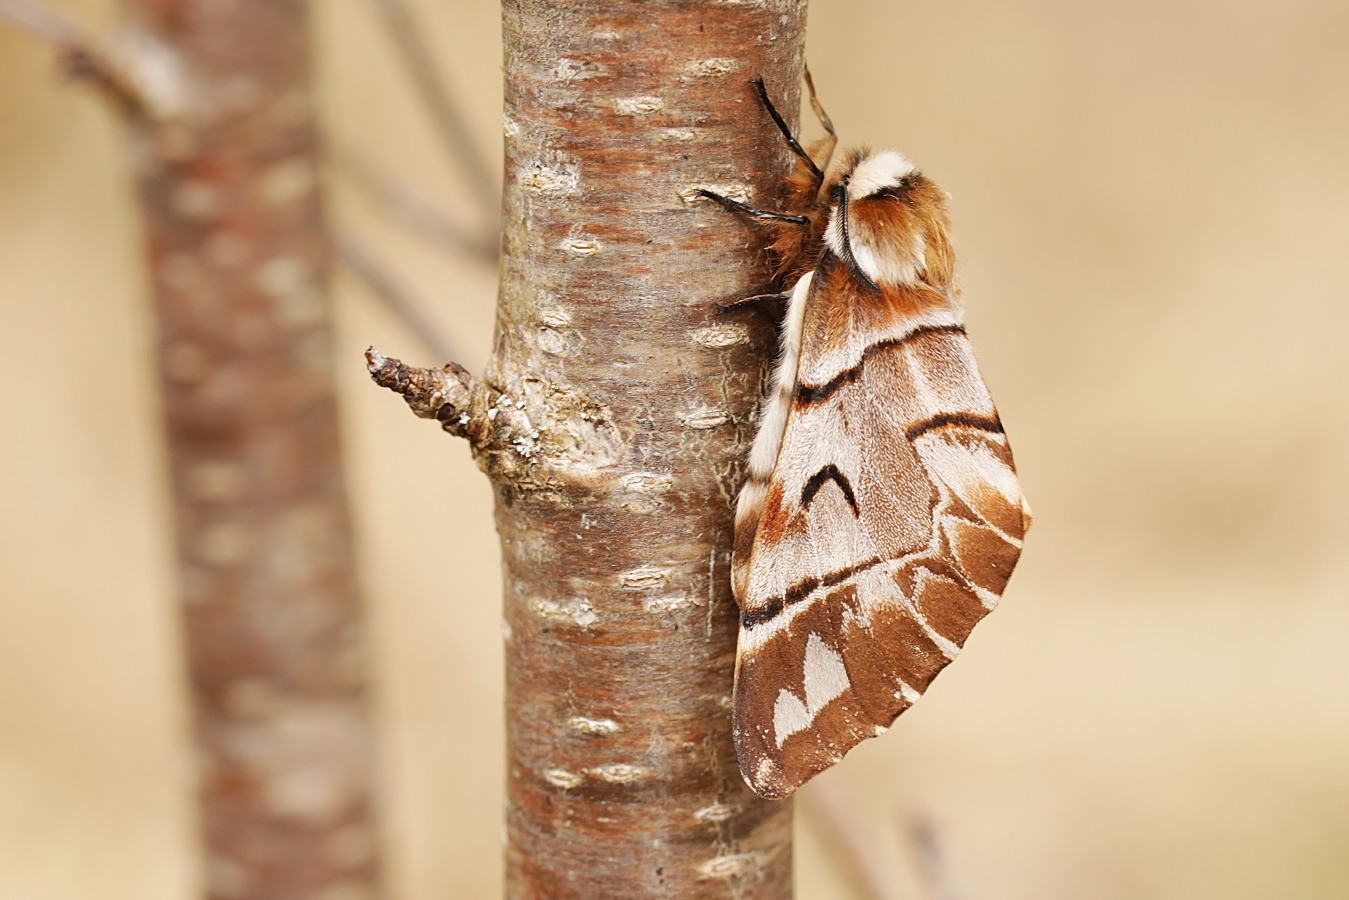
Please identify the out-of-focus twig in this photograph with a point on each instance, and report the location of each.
(418, 215)
(46, 21)
(445, 114)
(855, 850)
(928, 847)
(85, 58)
(357, 256)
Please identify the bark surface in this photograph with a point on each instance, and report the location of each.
(227, 160)
(613, 420)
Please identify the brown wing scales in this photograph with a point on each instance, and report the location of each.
(892, 590)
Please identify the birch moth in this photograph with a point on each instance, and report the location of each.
(881, 516)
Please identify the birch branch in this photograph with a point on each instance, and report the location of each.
(613, 420)
(450, 395)
(240, 264)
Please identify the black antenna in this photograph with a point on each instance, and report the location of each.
(841, 197)
(792, 142)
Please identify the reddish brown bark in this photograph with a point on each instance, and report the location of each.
(228, 172)
(613, 420)
(622, 778)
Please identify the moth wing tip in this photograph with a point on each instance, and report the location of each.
(1026, 515)
(762, 773)
(767, 781)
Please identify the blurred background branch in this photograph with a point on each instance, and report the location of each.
(84, 57)
(238, 259)
(418, 216)
(415, 312)
(928, 851)
(853, 846)
(445, 115)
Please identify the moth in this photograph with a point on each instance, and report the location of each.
(881, 515)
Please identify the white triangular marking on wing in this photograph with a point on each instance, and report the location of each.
(826, 678)
(789, 716)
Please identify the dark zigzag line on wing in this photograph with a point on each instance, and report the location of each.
(808, 394)
(807, 586)
(803, 589)
(939, 546)
(990, 424)
(828, 473)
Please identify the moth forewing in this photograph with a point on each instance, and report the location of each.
(764, 452)
(881, 515)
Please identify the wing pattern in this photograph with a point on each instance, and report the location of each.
(880, 523)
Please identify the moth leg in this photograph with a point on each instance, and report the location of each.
(792, 142)
(774, 299)
(831, 139)
(764, 215)
(761, 214)
(778, 301)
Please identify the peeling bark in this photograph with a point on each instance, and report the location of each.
(613, 420)
(228, 174)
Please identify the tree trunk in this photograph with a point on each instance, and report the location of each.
(613, 420)
(229, 173)
(615, 521)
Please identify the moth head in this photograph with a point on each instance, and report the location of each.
(890, 220)
(868, 173)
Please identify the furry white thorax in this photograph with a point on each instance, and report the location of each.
(880, 267)
(872, 174)
(877, 171)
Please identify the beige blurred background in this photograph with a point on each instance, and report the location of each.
(1152, 208)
